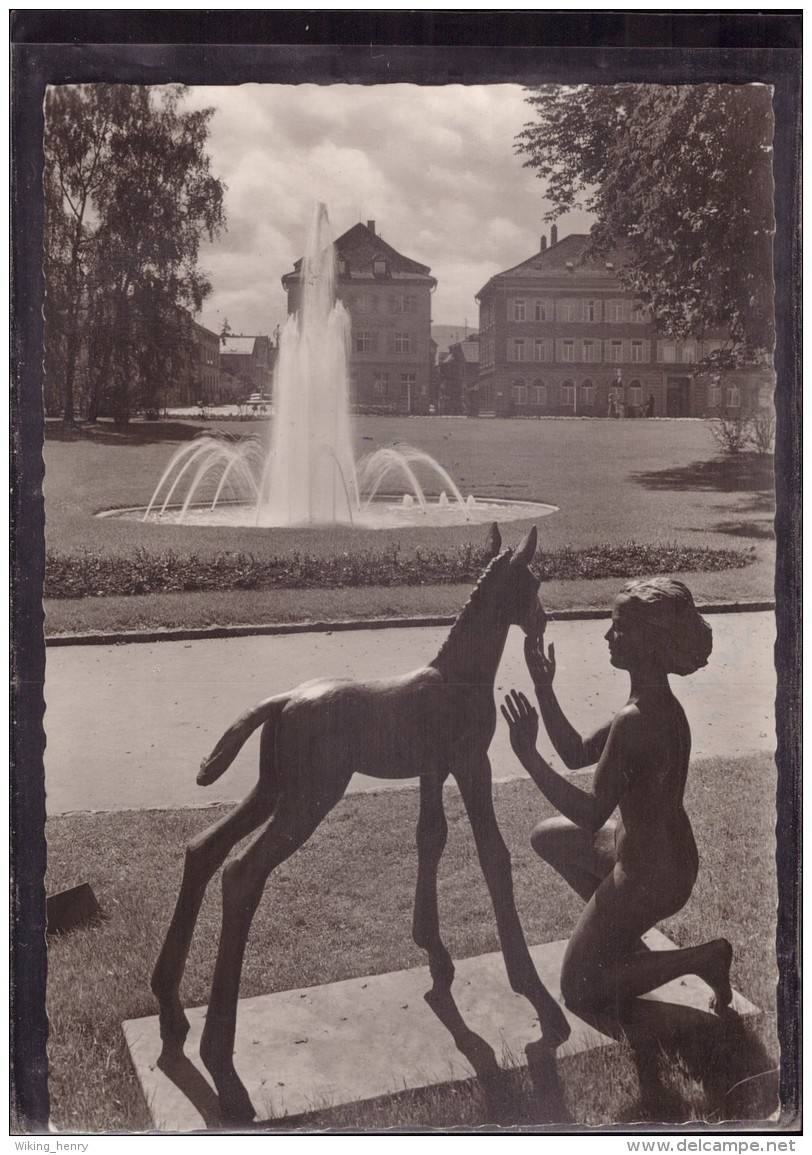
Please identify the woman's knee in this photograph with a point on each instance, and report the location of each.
(552, 840)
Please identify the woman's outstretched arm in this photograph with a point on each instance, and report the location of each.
(573, 750)
(588, 809)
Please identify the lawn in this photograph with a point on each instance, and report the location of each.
(653, 483)
(315, 922)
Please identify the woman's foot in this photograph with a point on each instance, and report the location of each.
(717, 974)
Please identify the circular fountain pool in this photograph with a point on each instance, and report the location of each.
(382, 512)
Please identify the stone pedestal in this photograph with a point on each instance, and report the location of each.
(302, 1050)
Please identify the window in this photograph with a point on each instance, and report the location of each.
(410, 303)
(689, 353)
(519, 392)
(567, 350)
(402, 343)
(614, 311)
(396, 303)
(587, 392)
(542, 311)
(635, 393)
(363, 341)
(615, 351)
(407, 384)
(733, 397)
(669, 351)
(566, 310)
(589, 351)
(638, 314)
(518, 310)
(568, 394)
(516, 349)
(637, 351)
(589, 310)
(380, 267)
(343, 267)
(539, 394)
(540, 351)
(714, 396)
(380, 385)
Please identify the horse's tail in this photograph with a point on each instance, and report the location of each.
(235, 738)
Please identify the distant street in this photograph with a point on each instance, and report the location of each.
(127, 725)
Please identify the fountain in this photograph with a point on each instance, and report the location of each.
(309, 475)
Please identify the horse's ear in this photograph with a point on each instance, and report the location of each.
(526, 549)
(494, 542)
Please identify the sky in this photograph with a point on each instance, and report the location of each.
(434, 167)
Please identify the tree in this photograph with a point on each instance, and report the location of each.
(128, 183)
(680, 179)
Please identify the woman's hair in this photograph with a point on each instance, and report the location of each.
(666, 607)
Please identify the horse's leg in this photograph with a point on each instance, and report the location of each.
(475, 786)
(244, 880)
(205, 854)
(432, 831)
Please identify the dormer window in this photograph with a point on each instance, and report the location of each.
(343, 267)
(380, 267)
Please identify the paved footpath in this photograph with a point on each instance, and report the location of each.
(127, 725)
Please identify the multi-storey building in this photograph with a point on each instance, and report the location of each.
(248, 361)
(560, 336)
(199, 379)
(458, 371)
(388, 298)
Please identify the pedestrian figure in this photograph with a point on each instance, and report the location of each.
(650, 405)
(641, 868)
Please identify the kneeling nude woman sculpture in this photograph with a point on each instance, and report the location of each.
(640, 869)
(436, 721)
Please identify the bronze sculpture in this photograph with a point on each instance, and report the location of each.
(641, 868)
(435, 721)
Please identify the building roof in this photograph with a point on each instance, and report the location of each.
(470, 351)
(359, 247)
(566, 257)
(239, 345)
(448, 335)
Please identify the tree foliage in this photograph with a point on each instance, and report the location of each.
(680, 179)
(129, 196)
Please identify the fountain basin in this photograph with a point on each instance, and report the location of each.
(383, 512)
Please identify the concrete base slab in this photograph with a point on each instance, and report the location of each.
(302, 1050)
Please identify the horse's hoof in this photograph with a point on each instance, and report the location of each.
(556, 1031)
(174, 1027)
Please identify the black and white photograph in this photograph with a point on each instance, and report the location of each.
(405, 590)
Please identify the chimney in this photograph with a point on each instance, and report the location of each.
(554, 235)
(371, 226)
(543, 242)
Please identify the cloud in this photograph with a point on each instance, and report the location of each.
(435, 167)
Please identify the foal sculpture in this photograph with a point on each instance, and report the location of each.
(435, 721)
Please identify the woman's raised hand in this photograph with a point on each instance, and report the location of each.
(523, 723)
(540, 665)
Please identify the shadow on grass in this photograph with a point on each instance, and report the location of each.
(107, 432)
(761, 530)
(693, 1064)
(745, 471)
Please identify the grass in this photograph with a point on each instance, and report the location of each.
(614, 482)
(314, 926)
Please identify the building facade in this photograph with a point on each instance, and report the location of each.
(248, 364)
(458, 372)
(388, 298)
(560, 336)
(199, 379)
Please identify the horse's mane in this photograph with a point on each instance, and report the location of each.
(494, 567)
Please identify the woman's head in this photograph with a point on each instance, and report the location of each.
(656, 620)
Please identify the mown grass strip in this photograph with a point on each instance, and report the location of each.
(90, 573)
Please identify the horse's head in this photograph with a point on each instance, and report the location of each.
(520, 604)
